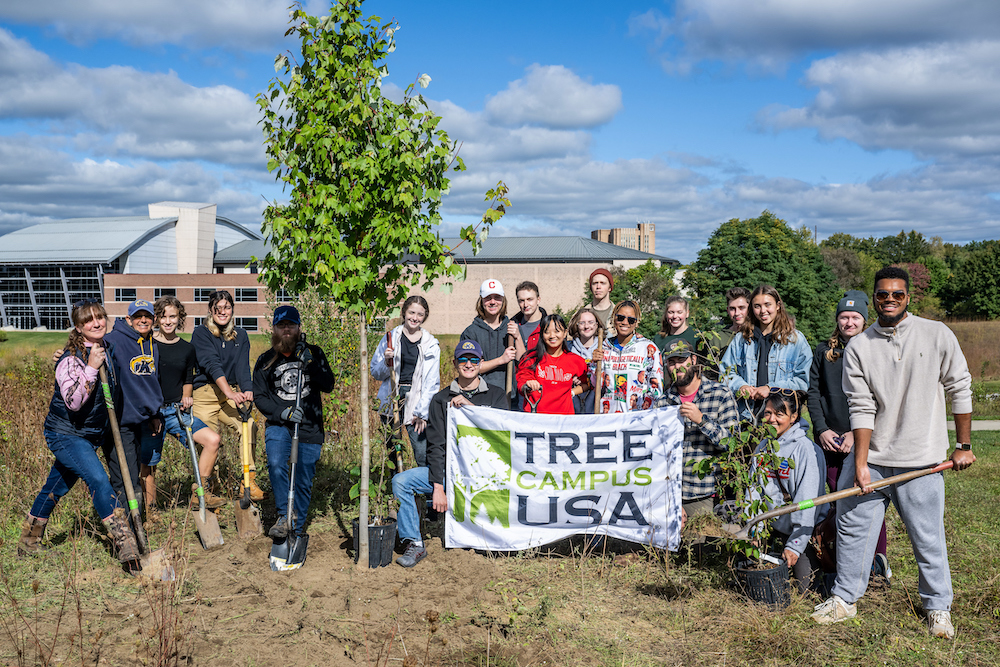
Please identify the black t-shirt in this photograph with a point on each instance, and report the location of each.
(177, 362)
(408, 353)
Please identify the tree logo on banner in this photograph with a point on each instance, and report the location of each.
(484, 486)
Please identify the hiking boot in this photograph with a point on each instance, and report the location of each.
(833, 610)
(122, 536)
(414, 554)
(212, 501)
(32, 531)
(256, 493)
(939, 624)
(279, 531)
(881, 572)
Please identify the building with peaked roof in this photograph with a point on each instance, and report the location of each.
(47, 267)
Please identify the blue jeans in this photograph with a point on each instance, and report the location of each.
(278, 443)
(405, 486)
(76, 458)
(152, 445)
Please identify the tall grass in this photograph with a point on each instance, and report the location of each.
(979, 343)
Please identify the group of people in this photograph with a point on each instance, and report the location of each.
(153, 375)
(875, 395)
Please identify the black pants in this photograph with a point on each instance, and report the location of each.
(806, 569)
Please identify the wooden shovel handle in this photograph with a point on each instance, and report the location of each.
(598, 372)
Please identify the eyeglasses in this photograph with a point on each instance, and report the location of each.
(622, 318)
(85, 302)
(883, 295)
(469, 360)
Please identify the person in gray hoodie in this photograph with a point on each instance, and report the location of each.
(896, 376)
(800, 476)
(496, 334)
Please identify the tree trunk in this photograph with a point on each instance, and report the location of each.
(365, 451)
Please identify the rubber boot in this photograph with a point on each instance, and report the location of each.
(122, 536)
(212, 501)
(256, 494)
(31, 536)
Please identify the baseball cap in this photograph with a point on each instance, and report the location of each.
(490, 286)
(286, 314)
(139, 304)
(469, 347)
(678, 348)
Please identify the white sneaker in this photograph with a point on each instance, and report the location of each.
(939, 624)
(833, 610)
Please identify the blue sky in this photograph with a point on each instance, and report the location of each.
(843, 115)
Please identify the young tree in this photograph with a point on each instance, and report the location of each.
(364, 174)
(765, 250)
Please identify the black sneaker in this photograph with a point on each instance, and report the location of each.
(279, 531)
(413, 555)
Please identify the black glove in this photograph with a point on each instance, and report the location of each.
(292, 414)
(304, 354)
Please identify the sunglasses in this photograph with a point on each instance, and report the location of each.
(884, 295)
(622, 318)
(788, 393)
(469, 360)
(85, 302)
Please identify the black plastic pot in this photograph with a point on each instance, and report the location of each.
(770, 587)
(381, 540)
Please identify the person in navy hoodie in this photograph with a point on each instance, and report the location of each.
(135, 359)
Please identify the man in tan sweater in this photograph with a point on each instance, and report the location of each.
(896, 376)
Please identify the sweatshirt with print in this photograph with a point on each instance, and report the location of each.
(556, 375)
(632, 375)
(136, 359)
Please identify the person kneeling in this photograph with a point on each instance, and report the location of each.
(804, 479)
(275, 382)
(467, 389)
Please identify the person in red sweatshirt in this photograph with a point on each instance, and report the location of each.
(551, 370)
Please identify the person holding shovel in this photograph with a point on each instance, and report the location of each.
(632, 368)
(413, 356)
(897, 374)
(176, 366)
(222, 382)
(559, 375)
(75, 427)
(135, 365)
(469, 388)
(496, 334)
(275, 382)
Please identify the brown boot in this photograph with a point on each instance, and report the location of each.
(31, 536)
(122, 536)
(256, 494)
(212, 501)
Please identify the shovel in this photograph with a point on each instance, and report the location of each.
(527, 397)
(248, 524)
(155, 564)
(206, 522)
(744, 533)
(396, 426)
(291, 554)
(598, 376)
(510, 375)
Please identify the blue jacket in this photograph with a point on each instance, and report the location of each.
(787, 367)
(135, 361)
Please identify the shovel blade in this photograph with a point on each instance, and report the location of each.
(248, 524)
(156, 566)
(208, 530)
(290, 554)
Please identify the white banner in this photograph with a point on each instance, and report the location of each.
(517, 480)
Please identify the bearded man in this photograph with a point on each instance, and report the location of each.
(275, 384)
(709, 412)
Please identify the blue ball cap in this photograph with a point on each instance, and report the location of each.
(138, 305)
(468, 347)
(286, 314)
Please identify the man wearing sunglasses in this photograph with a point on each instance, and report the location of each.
(896, 376)
(469, 388)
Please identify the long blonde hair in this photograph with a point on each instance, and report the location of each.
(229, 331)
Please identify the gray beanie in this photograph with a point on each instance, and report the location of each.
(854, 300)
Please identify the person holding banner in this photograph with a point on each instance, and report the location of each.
(583, 341)
(469, 388)
(559, 375)
(710, 413)
(632, 374)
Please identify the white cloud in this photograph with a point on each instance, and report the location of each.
(768, 33)
(256, 25)
(936, 100)
(553, 96)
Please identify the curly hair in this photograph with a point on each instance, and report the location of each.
(160, 307)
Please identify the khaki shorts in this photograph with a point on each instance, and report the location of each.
(211, 406)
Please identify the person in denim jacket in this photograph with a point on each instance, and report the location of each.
(768, 352)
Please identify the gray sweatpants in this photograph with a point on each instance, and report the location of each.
(920, 503)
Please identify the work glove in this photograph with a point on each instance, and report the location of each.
(304, 354)
(292, 414)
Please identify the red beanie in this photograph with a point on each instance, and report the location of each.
(602, 272)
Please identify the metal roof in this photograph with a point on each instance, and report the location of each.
(78, 240)
(495, 250)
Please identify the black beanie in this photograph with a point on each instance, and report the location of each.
(854, 300)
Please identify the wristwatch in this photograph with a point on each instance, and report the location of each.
(966, 446)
